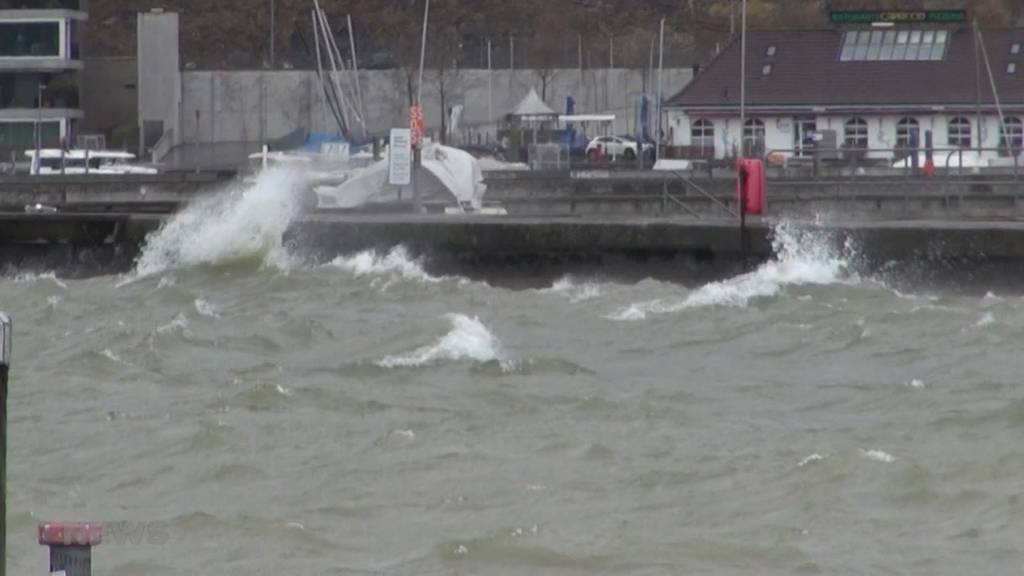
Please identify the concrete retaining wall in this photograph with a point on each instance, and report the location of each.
(238, 106)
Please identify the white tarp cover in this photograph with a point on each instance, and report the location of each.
(448, 175)
(531, 105)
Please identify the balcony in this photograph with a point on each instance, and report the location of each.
(34, 9)
(38, 46)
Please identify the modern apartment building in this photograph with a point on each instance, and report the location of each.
(40, 62)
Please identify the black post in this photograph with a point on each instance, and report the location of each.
(5, 365)
(743, 176)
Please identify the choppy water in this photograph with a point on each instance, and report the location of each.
(264, 416)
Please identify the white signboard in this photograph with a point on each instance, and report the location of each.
(400, 157)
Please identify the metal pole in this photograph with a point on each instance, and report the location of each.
(355, 69)
(977, 88)
(995, 92)
(661, 66)
(511, 52)
(490, 88)
(579, 54)
(423, 54)
(37, 161)
(611, 52)
(5, 365)
(272, 30)
(417, 157)
(743, 77)
(319, 73)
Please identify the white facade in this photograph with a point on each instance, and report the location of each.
(782, 132)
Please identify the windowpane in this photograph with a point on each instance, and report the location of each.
(856, 134)
(30, 39)
(890, 45)
(960, 132)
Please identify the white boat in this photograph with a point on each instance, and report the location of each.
(448, 177)
(54, 161)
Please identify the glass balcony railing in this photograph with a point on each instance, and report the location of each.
(40, 5)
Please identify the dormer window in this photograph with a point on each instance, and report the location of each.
(1015, 48)
(770, 51)
(766, 70)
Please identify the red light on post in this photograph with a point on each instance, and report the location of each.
(71, 545)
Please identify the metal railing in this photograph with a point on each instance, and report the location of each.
(906, 161)
(690, 184)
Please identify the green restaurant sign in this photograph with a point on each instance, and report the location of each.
(898, 16)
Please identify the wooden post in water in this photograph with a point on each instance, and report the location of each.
(5, 365)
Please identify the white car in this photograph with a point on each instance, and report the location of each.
(616, 147)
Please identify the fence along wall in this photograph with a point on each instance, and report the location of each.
(253, 106)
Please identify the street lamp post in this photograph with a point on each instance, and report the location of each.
(39, 127)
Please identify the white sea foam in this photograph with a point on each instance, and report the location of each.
(180, 322)
(574, 291)
(205, 308)
(29, 278)
(468, 339)
(878, 456)
(810, 459)
(801, 257)
(246, 223)
(387, 269)
(916, 383)
(987, 319)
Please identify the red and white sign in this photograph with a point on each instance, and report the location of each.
(416, 126)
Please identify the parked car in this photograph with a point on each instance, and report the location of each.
(615, 147)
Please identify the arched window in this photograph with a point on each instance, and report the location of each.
(960, 132)
(1011, 136)
(753, 137)
(907, 133)
(702, 136)
(855, 133)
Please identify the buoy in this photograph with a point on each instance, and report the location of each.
(750, 185)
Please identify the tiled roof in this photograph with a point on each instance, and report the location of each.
(806, 71)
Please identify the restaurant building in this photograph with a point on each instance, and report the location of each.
(875, 84)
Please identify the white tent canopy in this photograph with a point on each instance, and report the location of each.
(531, 107)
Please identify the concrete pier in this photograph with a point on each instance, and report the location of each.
(86, 244)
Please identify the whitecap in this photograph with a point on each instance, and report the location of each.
(205, 308)
(246, 223)
(180, 322)
(575, 292)
(987, 319)
(802, 257)
(878, 456)
(29, 278)
(393, 266)
(810, 459)
(916, 383)
(468, 339)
